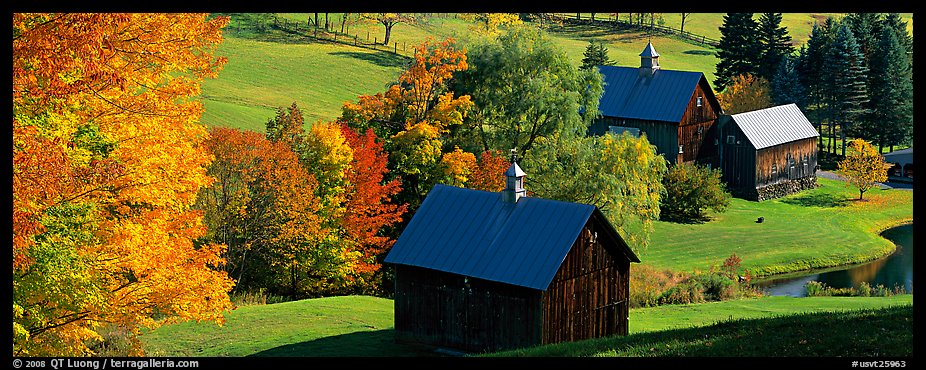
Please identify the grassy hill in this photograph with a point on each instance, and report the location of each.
(361, 326)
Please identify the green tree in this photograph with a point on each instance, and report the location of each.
(596, 54)
(846, 80)
(739, 48)
(775, 44)
(863, 166)
(621, 175)
(786, 86)
(691, 190)
(811, 73)
(891, 118)
(524, 87)
(866, 28)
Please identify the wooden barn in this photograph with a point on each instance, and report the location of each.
(768, 153)
(675, 109)
(486, 271)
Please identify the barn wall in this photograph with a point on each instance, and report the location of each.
(588, 297)
(738, 159)
(664, 135)
(694, 131)
(787, 161)
(440, 309)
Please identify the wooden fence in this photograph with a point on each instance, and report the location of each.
(612, 21)
(367, 40)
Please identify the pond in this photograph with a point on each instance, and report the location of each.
(890, 271)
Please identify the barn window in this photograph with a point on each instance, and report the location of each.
(731, 139)
(699, 102)
(680, 151)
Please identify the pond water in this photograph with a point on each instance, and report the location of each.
(890, 271)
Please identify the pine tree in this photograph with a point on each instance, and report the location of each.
(786, 85)
(774, 42)
(811, 73)
(846, 79)
(596, 54)
(738, 50)
(866, 28)
(891, 116)
(894, 21)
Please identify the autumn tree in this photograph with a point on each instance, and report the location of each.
(489, 172)
(745, 93)
(863, 166)
(389, 20)
(414, 115)
(488, 24)
(371, 208)
(457, 167)
(263, 207)
(107, 162)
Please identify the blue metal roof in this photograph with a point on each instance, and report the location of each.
(664, 96)
(475, 233)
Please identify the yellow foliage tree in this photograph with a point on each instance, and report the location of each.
(863, 166)
(745, 93)
(107, 162)
(488, 23)
(458, 165)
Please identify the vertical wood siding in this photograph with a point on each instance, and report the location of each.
(438, 308)
(787, 161)
(588, 297)
(694, 131)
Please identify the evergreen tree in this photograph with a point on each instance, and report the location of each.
(894, 21)
(846, 78)
(786, 85)
(865, 27)
(738, 49)
(891, 116)
(810, 70)
(596, 54)
(775, 43)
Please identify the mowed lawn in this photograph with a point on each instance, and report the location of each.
(815, 228)
(362, 326)
(319, 77)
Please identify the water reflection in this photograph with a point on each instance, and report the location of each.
(890, 271)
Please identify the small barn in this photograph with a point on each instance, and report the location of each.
(488, 271)
(768, 153)
(675, 109)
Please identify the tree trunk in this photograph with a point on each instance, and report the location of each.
(326, 22)
(293, 274)
(388, 33)
(316, 20)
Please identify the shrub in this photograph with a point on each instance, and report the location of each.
(647, 285)
(717, 287)
(691, 190)
(689, 291)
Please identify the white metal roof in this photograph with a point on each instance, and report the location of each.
(774, 126)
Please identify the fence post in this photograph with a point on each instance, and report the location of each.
(368, 35)
(395, 47)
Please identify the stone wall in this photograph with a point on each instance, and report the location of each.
(787, 187)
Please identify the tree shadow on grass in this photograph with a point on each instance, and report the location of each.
(819, 200)
(380, 58)
(377, 343)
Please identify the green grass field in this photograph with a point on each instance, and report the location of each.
(361, 326)
(813, 229)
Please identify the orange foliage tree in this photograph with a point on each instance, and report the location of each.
(262, 206)
(107, 162)
(489, 172)
(745, 93)
(412, 115)
(370, 208)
